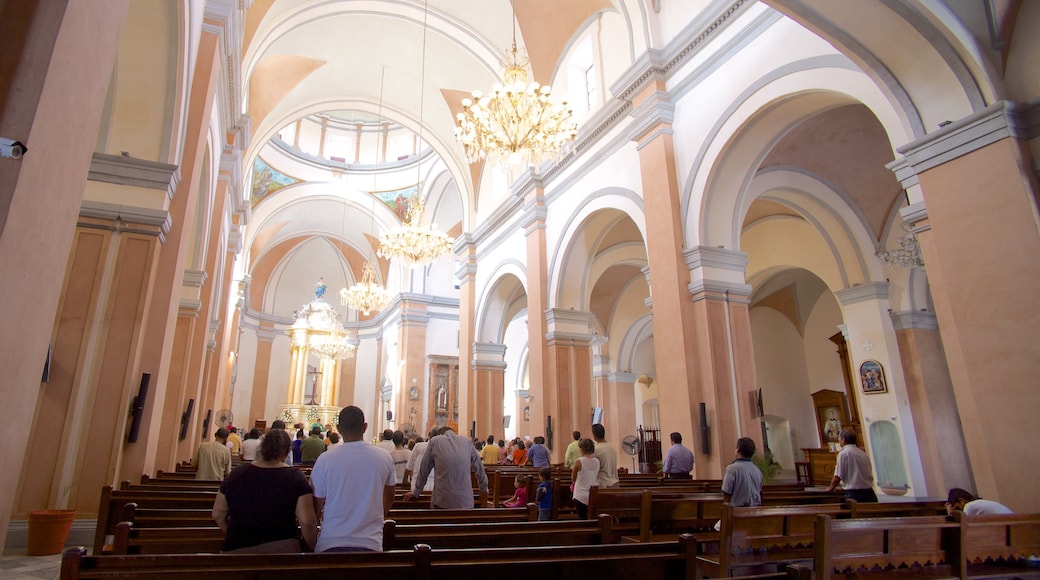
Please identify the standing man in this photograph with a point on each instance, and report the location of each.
(489, 454)
(386, 441)
(538, 454)
(353, 489)
(678, 461)
(853, 470)
(312, 446)
(607, 455)
(742, 482)
(212, 460)
(572, 451)
(454, 457)
(234, 442)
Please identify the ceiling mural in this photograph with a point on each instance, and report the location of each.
(267, 180)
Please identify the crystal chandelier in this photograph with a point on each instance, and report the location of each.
(318, 328)
(413, 243)
(518, 122)
(366, 296)
(907, 256)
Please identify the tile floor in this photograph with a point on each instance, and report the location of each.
(17, 565)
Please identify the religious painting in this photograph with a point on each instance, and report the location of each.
(873, 377)
(267, 180)
(831, 417)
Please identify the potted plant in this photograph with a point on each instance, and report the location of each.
(765, 464)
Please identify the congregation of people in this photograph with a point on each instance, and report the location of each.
(268, 504)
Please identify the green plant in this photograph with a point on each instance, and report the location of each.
(765, 464)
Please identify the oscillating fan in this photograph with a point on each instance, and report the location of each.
(224, 418)
(630, 445)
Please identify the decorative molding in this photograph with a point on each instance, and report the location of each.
(124, 170)
(718, 290)
(194, 278)
(622, 378)
(1001, 120)
(122, 216)
(715, 258)
(489, 351)
(267, 334)
(911, 320)
(863, 293)
(189, 308)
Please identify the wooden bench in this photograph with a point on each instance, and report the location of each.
(753, 537)
(433, 515)
(397, 536)
(130, 539)
(895, 509)
(110, 510)
(907, 547)
(1004, 546)
(604, 562)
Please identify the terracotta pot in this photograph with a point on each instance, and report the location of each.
(48, 530)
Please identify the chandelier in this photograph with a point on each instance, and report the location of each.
(907, 256)
(367, 295)
(518, 122)
(318, 328)
(413, 243)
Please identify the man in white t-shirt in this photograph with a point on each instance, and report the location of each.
(353, 489)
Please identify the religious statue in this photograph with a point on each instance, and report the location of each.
(442, 397)
(320, 287)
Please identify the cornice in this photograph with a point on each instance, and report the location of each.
(910, 320)
(122, 216)
(863, 293)
(123, 170)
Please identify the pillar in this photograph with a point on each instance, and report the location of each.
(725, 359)
(974, 195)
(466, 273)
(569, 349)
(489, 368)
(60, 60)
(262, 374)
(542, 387)
(944, 456)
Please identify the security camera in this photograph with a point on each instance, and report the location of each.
(12, 149)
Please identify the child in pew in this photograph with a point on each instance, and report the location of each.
(519, 498)
(543, 496)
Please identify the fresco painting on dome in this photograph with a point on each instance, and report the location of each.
(397, 199)
(267, 180)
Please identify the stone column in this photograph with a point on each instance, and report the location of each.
(977, 226)
(678, 352)
(412, 341)
(262, 374)
(869, 333)
(59, 56)
(466, 273)
(933, 407)
(726, 363)
(569, 347)
(542, 385)
(490, 373)
(93, 373)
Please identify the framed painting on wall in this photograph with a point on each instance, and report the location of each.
(872, 376)
(831, 417)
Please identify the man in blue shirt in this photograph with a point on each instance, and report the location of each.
(678, 461)
(538, 455)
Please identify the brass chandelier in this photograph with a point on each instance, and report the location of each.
(366, 296)
(414, 243)
(518, 122)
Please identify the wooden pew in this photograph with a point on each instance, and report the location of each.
(604, 562)
(167, 517)
(130, 539)
(113, 501)
(432, 515)
(397, 536)
(910, 547)
(895, 509)
(166, 480)
(1004, 546)
(752, 537)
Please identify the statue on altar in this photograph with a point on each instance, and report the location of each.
(320, 288)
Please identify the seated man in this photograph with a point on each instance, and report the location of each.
(961, 499)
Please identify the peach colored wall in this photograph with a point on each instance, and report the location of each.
(261, 375)
(982, 249)
(75, 313)
(59, 55)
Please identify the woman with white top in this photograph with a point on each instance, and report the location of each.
(583, 474)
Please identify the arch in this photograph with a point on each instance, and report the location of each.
(500, 301)
(568, 284)
(753, 124)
